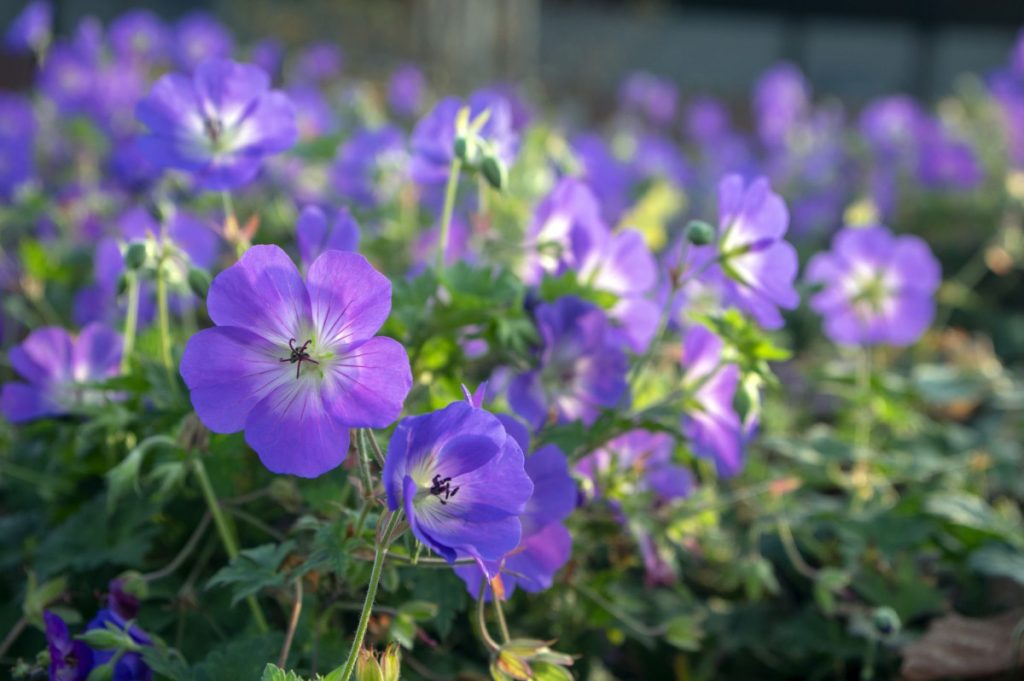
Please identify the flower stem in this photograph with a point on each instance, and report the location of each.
(446, 213)
(864, 371)
(371, 593)
(224, 530)
(502, 624)
(482, 620)
(165, 321)
(131, 321)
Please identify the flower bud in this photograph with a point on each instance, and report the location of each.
(367, 667)
(391, 663)
(699, 233)
(199, 281)
(885, 621)
(135, 255)
(460, 148)
(494, 172)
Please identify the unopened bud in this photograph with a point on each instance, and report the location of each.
(886, 621)
(367, 667)
(391, 663)
(460, 148)
(699, 233)
(135, 255)
(122, 284)
(199, 281)
(494, 172)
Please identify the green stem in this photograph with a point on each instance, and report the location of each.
(482, 620)
(131, 321)
(224, 530)
(165, 321)
(371, 594)
(864, 370)
(364, 464)
(446, 214)
(502, 624)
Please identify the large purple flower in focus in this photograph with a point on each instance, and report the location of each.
(760, 265)
(56, 368)
(460, 478)
(217, 124)
(877, 288)
(710, 421)
(295, 363)
(582, 366)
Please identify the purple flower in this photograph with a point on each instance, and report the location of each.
(781, 98)
(546, 544)
(460, 479)
(877, 288)
(314, 116)
(130, 666)
(69, 78)
(651, 96)
(199, 37)
(17, 137)
(658, 157)
(70, 659)
(268, 54)
(218, 124)
(566, 228)
(30, 31)
(139, 36)
(641, 459)
(406, 89)
(315, 236)
(707, 120)
(295, 363)
(433, 138)
(946, 162)
(710, 420)
(891, 126)
(760, 265)
(318, 64)
(56, 368)
(371, 166)
(611, 178)
(582, 366)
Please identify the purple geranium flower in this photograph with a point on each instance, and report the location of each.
(611, 178)
(371, 166)
(268, 54)
(878, 288)
(295, 363)
(582, 366)
(760, 265)
(315, 236)
(546, 544)
(218, 124)
(17, 136)
(891, 126)
(314, 116)
(460, 479)
(198, 37)
(70, 659)
(139, 36)
(406, 89)
(641, 459)
(318, 64)
(651, 96)
(782, 98)
(56, 368)
(566, 227)
(710, 421)
(121, 609)
(31, 30)
(69, 78)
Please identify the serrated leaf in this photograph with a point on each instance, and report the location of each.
(252, 570)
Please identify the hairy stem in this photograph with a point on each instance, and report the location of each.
(224, 530)
(502, 624)
(293, 623)
(131, 321)
(371, 593)
(482, 619)
(446, 214)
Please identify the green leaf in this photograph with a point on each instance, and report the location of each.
(419, 610)
(998, 561)
(239, 659)
(685, 631)
(252, 570)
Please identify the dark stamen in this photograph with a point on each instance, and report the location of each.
(443, 487)
(299, 355)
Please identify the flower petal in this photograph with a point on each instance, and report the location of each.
(350, 299)
(367, 387)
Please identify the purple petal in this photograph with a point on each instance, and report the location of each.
(350, 299)
(20, 403)
(263, 293)
(366, 388)
(554, 490)
(45, 356)
(97, 353)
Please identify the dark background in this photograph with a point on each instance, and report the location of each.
(853, 49)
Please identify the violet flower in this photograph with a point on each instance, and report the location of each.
(877, 288)
(139, 36)
(198, 37)
(640, 459)
(218, 124)
(653, 97)
(760, 265)
(460, 479)
(781, 99)
(710, 421)
(70, 659)
(17, 137)
(56, 368)
(317, 64)
(31, 29)
(371, 166)
(582, 366)
(406, 90)
(315, 236)
(295, 363)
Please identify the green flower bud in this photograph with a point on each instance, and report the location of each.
(199, 281)
(367, 667)
(699, 233)
(886, 621)
(391, 663)
(494, 172)
(135, 255)
(461, 148)
(122, 284)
